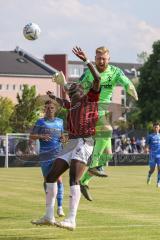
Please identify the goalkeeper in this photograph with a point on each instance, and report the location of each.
(110, 77)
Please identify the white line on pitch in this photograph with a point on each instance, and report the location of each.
(104, 226)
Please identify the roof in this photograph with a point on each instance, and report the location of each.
(128, 68)
(117, 64)
(21, 63)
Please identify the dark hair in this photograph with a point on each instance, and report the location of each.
(75, 87)
(156, 124)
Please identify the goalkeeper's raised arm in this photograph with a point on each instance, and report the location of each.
(59, 78)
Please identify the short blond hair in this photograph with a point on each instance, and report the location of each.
(102, 50)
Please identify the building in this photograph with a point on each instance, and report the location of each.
(18, 68)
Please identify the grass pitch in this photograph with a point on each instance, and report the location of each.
(124, 206)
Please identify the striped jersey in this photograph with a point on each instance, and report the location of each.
(82, 116)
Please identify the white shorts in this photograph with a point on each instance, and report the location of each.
(79, 149)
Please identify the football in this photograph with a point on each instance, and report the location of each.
(31, 31)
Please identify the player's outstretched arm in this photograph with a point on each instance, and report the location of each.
(127, 84)
(44, 137)
(58, 100)
(62, 102)
(82, 55)
(132, 91)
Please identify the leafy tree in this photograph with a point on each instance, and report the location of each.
(6, 110)
(122, 125)
(133, 118)
(26, 111)
(142, 57)
(149, 87)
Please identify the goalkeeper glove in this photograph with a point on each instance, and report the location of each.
(132, 91)
(59, 78)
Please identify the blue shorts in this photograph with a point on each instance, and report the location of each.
(46, 167)
(154, 159)
(47, 160)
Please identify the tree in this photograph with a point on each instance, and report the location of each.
(26, 110)
(149, 87)
(6, 110)
(142, 57)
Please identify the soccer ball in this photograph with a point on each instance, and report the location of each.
(31, 31)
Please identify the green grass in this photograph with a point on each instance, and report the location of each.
(124, 206)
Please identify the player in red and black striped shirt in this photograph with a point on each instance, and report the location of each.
(81, 121)
(82, 114)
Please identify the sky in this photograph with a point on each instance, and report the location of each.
(126, 27)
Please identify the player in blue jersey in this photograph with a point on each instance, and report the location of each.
(49, 132)
(153, 146)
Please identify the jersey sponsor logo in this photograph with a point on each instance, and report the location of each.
(108, 84)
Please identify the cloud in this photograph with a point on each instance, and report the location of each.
(66, 23)
(146, 35)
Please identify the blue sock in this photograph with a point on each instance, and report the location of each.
(60, 194)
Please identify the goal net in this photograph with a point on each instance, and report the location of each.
(8, 148)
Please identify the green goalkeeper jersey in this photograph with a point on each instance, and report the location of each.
(111, 77)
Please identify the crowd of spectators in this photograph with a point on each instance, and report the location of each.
(2, 146)
(120, 145)
(126, 145)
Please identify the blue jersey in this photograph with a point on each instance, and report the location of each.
(52, 127)
(153, 140)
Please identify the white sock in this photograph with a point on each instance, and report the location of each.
(51, 194)
(75, 195)
(60, 208)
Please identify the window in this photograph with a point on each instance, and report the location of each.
(122, 101)
(0, 86)
(20, 87)
(75, 70)
(7, 86)
(122, 92)
(14, 87)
